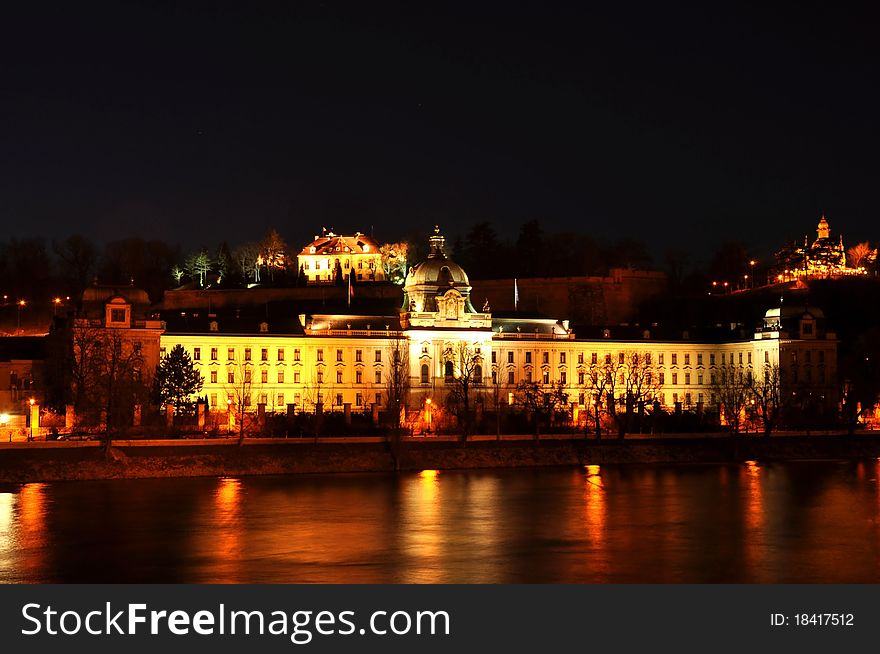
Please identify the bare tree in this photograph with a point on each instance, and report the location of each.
(247, 257)
(394, 261)
(79, 259)
(239, 391)
(273, 253)
(601, 383)
(463, 370)
(731, 386)
(539, 401)
(397, 380)
(641, 383)
(861, 254)
(198, 265)
(767, 396)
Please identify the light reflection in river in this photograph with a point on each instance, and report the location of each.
(757, 522)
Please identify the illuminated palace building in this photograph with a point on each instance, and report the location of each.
(323, 358)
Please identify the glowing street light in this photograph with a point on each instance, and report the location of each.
(18, 307)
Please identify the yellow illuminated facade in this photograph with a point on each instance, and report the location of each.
(358, 254)
(336, 359)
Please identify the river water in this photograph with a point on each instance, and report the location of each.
(778, 522)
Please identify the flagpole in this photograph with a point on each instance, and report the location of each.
(515, 296)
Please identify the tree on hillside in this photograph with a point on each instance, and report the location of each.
(273, 253)
(247, 258)
(394, 262)
(860, 255)
(78, 258)
(176, 381)
(198, 265)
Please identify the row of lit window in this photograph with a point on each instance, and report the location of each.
(636, 358)
(264, 376)
(360, 266)
(264, 354)
(263, 398)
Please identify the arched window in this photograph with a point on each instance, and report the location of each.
(449, 371)
(425, 373)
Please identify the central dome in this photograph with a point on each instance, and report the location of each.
(434, 277)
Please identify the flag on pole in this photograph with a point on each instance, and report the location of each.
(350, 290)
(515, 295)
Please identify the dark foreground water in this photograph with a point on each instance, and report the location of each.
(792, 522)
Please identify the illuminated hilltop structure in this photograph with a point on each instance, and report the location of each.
(824, 258)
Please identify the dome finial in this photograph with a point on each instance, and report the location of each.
(437, 242)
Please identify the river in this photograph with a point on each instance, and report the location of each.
(755, 522)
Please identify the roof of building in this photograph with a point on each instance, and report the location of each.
(101, 293)
(330, 243)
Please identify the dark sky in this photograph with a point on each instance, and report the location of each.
(679, 124)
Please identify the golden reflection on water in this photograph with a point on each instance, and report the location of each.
(596, 516)
(23, 543)
(422, 530)
(224, 533)
(755, 537)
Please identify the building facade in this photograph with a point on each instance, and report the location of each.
(330, 255)
(325, 360)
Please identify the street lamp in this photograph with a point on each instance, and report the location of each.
(18, 307)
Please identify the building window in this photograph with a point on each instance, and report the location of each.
(378, 399)
(263, 399)
(213, 400)
(494, 358)
(510, 357)
(339, 355)
(320, 354)
(230, 353)
(378, 376)
(750, 358)
(320, 399)
(339, 399)
(546, 376)
(338, 376)
(117, 315)
(197, 353)
(660, 359)
(280, 376)
(529, 376)
(699, 358)
(528, 357)
(247, 376)
(674, 378)
(580, 357)
(687, 359)
(297, 399)
(711, 358)
(247, 354)
(264, 376)
(213, 354)
(358, 355)
(320, 377)
(358, 377)
(563, 378)
(662, 378)
(161, 352)
(674, 359)
(378, 356)
(478, 374)
(647, 358)
(700, 378)
(264, 354)
(594, 358)
(510, 376)
(213, 376)
(545, 357)
(448, 371)
(562, 357)
(687, 399)
(581, 380)
(230, 377)
(621, 358)
(608, 358)
(279, 399)
(740, 358)
(296, 377)
(296, 354)
(687, 378)
(425, 373)
(359, 399)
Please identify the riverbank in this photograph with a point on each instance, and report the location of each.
(133, 459)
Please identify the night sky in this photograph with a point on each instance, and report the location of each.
(680, 125)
